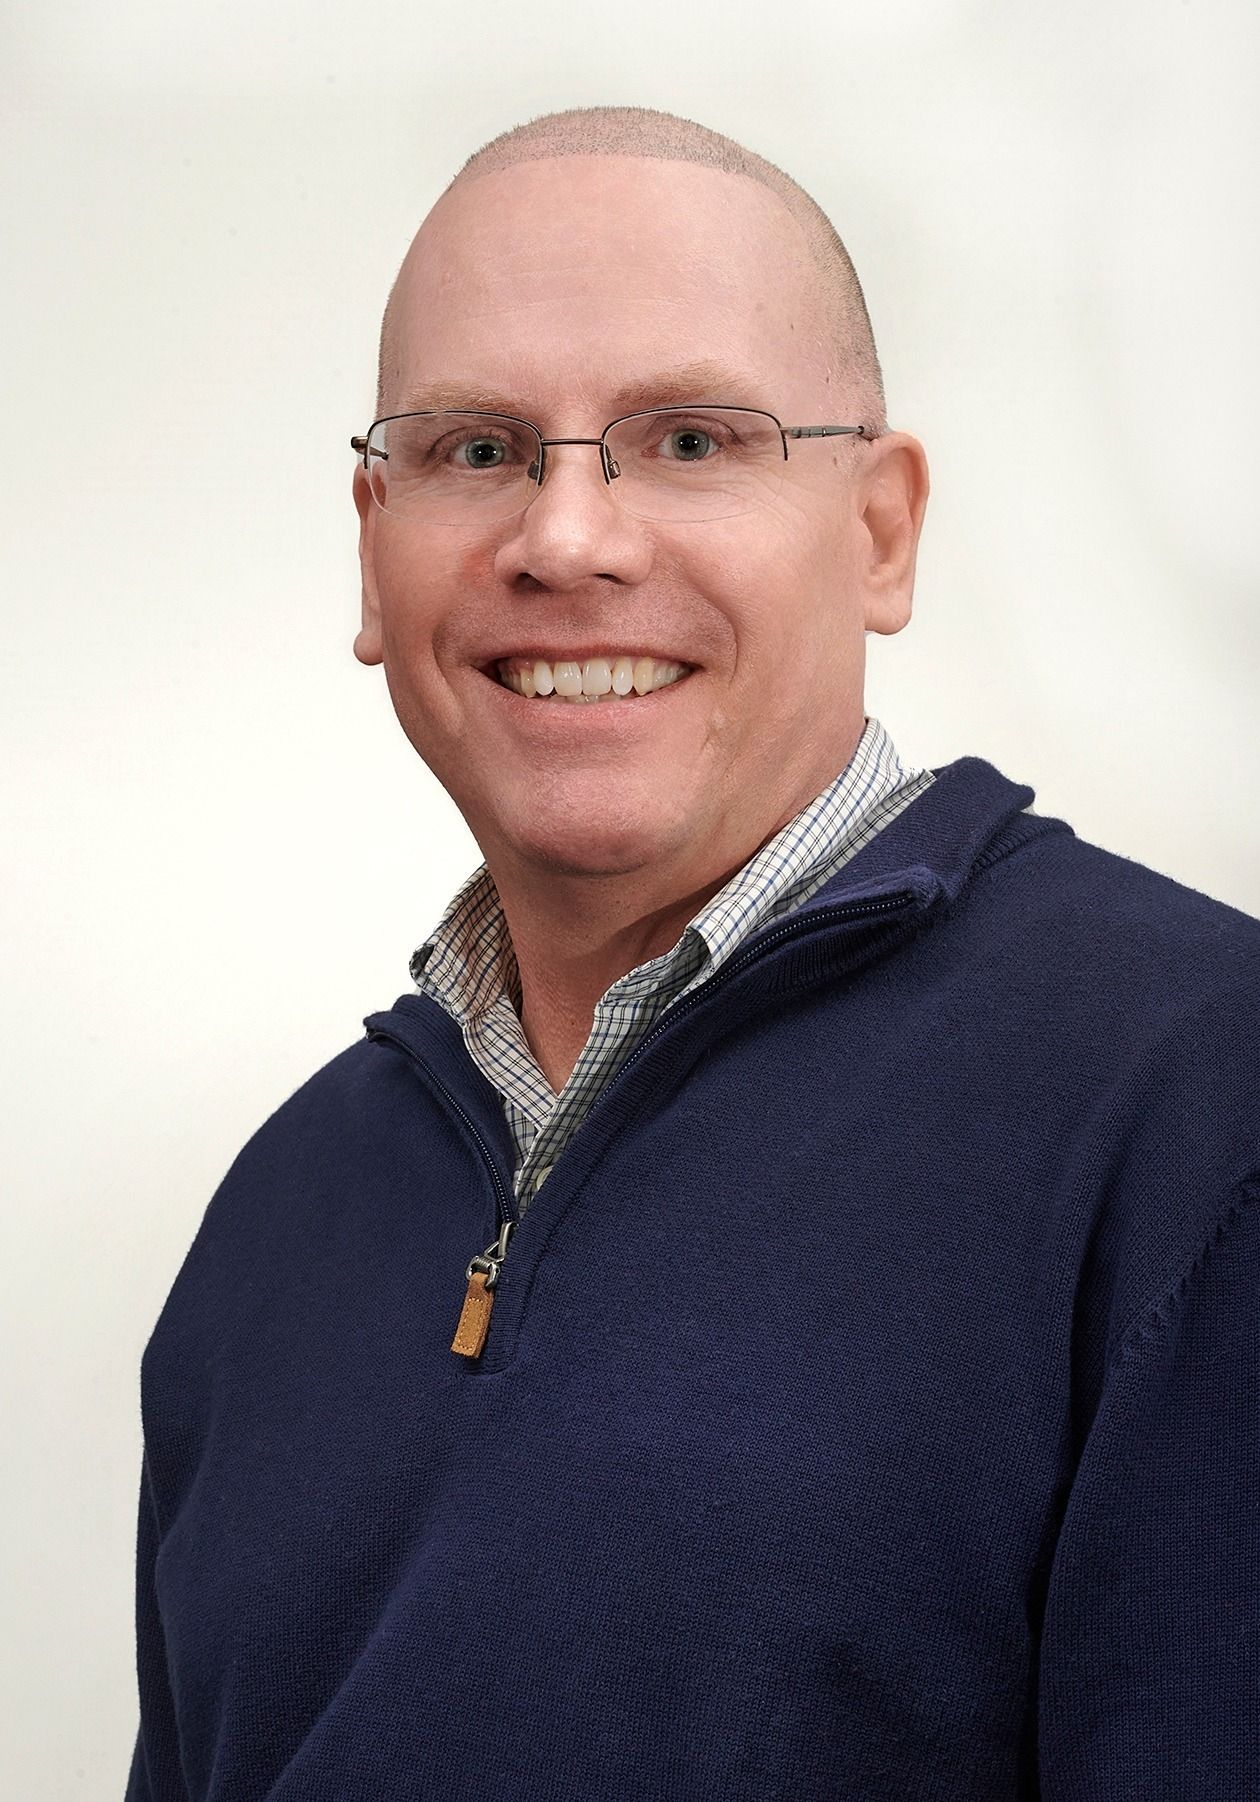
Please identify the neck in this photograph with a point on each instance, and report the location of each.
(574, 935)
(574, 942)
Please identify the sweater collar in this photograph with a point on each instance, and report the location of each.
(969, 817)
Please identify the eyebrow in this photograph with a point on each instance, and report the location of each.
(695, 382)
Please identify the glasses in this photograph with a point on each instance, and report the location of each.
(462, 468)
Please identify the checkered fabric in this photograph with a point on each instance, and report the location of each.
(468, 965)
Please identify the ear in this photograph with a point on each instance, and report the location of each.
(367, 643)
(892, 493)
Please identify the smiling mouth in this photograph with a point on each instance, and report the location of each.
(613, 678)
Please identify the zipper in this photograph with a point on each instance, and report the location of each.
(485, 1266)
(742, 959)
(482, 1274)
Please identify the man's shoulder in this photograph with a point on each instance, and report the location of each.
(1021, 879)
(1076, 902)
(301, 1167)
(342, 1103)
(1129, 990)
(1080, 952)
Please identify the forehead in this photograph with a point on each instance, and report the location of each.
(574, 276)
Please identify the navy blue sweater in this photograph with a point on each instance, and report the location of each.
(870, 1405)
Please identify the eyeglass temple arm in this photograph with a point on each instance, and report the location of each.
(822, 431)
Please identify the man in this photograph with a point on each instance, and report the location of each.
(775, 1313)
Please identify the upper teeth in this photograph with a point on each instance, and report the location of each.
(591, 680)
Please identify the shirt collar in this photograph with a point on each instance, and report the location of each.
(469, 962)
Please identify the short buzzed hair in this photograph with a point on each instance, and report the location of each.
(642, 131)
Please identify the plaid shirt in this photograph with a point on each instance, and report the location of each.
(468, 965)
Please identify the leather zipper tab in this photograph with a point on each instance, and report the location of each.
(474, 1317)
(482, 1274)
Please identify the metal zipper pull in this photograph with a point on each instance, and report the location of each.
(482, 1274)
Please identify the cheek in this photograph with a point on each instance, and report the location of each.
(422, 585)
(785, 590)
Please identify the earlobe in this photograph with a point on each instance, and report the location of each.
(367, 640)
(367, 644)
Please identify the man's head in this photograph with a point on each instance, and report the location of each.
(579, 268)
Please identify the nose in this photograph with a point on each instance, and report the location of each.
(574, 528)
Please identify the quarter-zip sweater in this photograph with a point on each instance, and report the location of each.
(870, 1403)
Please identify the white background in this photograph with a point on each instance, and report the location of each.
(225, 848)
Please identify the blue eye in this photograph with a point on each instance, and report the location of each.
(690, 444)
(482, 453)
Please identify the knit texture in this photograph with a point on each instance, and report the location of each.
(870, 1402)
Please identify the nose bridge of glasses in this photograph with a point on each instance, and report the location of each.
(607, 466)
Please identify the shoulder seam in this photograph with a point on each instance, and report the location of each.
(1157, 1317)
(1023, 830)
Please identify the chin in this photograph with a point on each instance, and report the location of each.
(571, 850)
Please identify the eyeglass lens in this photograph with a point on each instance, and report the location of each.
(464, 468)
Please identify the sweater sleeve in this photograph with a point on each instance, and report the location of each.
(1149, 1684)
(156, 1774)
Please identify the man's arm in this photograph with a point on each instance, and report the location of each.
(1150, 1656)
(156, 1774)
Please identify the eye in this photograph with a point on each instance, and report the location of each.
(482, 453)
(688, 444)
(459, 445)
